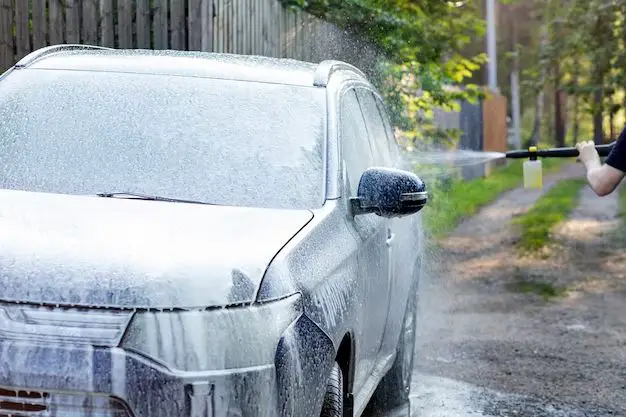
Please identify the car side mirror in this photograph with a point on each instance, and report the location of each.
(389, 192)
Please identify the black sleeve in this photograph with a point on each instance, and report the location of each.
(617, 157)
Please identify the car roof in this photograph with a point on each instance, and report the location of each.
(186, 63)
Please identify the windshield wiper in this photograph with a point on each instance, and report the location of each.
(149, 197)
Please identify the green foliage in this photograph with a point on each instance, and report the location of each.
(585, 54)
(551, 209)
(422, 42)
(406, 30)
(451, 202)
(543, 289)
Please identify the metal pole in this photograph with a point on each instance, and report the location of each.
(517, 137)
(515, 96)
(491, 45)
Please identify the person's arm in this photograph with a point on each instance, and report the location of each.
(604, 178)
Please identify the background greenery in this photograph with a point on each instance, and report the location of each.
(571, 56)
(451, 198)
(424, 44)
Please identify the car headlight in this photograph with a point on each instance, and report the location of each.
(213, 339)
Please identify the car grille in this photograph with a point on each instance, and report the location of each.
(26, 403)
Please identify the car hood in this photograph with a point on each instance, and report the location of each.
(121, 253)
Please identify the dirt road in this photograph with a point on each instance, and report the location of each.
(506, 335)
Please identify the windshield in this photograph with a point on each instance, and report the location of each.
(217, 141)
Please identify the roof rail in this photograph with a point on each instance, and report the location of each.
(40, 53)
(326, 68)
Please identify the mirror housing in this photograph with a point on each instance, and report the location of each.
(389, 192)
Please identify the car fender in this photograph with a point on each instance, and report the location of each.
(304, 358)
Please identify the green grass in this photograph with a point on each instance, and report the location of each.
(451, 202)
(543, 289)
(549, 210)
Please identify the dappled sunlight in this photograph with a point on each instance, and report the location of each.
(584, 230)
(593, 285)
(501, 213)
(572, 298)
(557, 305)
(471, 244)
(481, 267)
(616, 266)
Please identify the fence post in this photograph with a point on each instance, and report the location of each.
(89, 23)
(40, 25)
(55, 22)
(107, 32)
(160, 25)
(142, 21)
(6, 34)
(124, 23)
(22, 32)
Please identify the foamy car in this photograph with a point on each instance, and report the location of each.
(196, 234)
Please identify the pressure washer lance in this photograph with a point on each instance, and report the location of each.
(533, 176)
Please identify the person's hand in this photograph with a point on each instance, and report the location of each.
(587, 152)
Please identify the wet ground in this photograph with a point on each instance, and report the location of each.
(488, 349)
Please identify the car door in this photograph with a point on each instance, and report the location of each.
(369, 232)
(407, 249)
(382, 157)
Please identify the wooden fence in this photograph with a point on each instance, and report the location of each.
(253, 27)
(495, 129)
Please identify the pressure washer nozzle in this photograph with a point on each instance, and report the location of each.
(533, 153)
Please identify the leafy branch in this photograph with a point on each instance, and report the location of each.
(422, 43)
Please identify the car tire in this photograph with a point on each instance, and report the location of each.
(393, 390)
(333, 399)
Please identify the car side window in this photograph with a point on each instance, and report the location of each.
(391, 137)
(356, 150)
(375, 128)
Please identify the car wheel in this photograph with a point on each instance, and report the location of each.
(333, 399)
(393, 390)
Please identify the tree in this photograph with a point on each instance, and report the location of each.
(422, 42)
(581, 50)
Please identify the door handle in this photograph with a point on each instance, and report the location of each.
(390, 237)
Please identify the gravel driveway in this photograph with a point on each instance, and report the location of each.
(487, 349)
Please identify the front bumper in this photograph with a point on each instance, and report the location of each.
(68, 381)
(262, 361)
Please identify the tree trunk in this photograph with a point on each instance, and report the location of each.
(538, 112)
(559, 120)
(549, 114)
(564, 113)
(515, 90)
(539, 103)
(598, 134)
(623, 40)
(576, 126)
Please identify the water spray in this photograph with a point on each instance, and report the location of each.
(533, 176)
